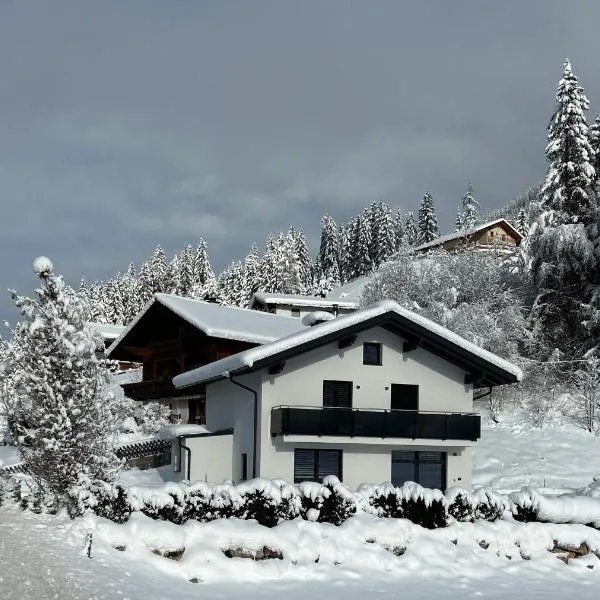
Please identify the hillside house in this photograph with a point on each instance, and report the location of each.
(379, 395)
(291, 305)
(172, 335)
(498, 236)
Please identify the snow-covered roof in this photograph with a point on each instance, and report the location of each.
(296, 300)
(469, 232)
(218, 321)
(349, 292)
(108, 332)
(455, 348)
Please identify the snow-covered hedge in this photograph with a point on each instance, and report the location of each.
(270, 502)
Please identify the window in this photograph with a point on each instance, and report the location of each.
(314, 465)
(371, 353)
(426, 468)
(295, 312)
(404, 397)
(244, 466)
(337, 394)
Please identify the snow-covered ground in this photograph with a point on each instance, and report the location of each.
(513, 454)
(8, 456)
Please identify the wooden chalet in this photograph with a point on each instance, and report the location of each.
(498, 235)
(172, 335)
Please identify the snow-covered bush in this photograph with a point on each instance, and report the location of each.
(488, 506)
(460, 505)
(59, 398)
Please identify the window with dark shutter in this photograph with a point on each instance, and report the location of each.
(337, 394)
(372, 353)
(314, 465)
(404, 397)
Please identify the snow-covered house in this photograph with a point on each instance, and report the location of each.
(291, 305)
(382, 394)
(498, 235)
(172, 334)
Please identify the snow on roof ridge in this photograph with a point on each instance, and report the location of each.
(301, 299)
(172, 301)
(246, 359)
(464, 233)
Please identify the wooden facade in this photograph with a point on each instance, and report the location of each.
(167, 345)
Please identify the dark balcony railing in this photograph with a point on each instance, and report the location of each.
(154, 389)
(356, 422)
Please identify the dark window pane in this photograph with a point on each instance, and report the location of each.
(426, 468)
(330, 463)
(337, 394)
(430, 475)
(371, 353)
(404, 396)
(403, 467)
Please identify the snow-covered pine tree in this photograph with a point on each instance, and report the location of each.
(129, 295)
(470, 209)
(411, 231)
(155, 275)
(345, 253)
(305, 264)
(251, 272)
(61, 402)
(458, 223)
(428, 225)
(563, 242)
(522, 222)
(203, 275)
(568, 187)
(383, 233)
(360, 243)
(399, 225)
(594, 139)
(231, 285)
(329, 251)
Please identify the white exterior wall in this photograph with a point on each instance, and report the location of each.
(211, 458)
(285, 310)
(229, 406)
(441, 388)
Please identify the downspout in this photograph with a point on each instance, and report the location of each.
(255, 424)
(189, 456)
(489, 391)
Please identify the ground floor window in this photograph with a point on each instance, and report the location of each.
(314, 465)
(425, 468)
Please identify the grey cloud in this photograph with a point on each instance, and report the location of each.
(127, 124)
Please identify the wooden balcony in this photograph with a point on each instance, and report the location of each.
(372, 423)
(155, 389)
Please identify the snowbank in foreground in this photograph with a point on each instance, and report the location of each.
(230, 550)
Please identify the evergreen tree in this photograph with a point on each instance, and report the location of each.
(411, 231)
(155, 275)
(428, 225)
(470, 209)
(458, 223)
(523, 222)
(230, 285)
(563, 243)
(360, 243)
(594, 139)
(203, 276)
(305, 265)
(568, 187)
(345, 253)
(383, 233)
(60, 398)
(329, 252)
(251, 273)
(399, 224)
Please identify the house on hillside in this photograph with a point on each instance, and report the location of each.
(498, 235)
(172, 335)
(291, 305)
(380, 395)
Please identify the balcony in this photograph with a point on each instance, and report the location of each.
(154, 389)
(355, 422)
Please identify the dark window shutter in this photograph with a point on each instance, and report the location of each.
(404, 397)
(304, 465)
(337, 394)
(329, 463)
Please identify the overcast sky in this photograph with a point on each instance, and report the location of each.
(124, 124)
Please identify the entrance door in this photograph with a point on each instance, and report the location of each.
(426, 468)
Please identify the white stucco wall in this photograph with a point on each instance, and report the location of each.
(211, 458)
(228, 406)
(441, 388)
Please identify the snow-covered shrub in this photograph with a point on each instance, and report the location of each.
(260, 502)
(423, 506)
(382, 499)
(112, 502)
(290, 503)
(165, 504)
(460, 505)
(524, 506)
(339, 504)
(488, 506)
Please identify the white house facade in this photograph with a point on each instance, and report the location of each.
(380, 395)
